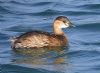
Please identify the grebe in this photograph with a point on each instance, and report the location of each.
(40, 39)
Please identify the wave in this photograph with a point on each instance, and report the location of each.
(4, 36)
(31, 4)
(3, 10)
(90, 43)
(84, 53)
(44, 8)
(90, 6)
(51, 12)
(7, 68)
(90, 26)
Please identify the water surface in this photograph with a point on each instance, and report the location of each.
(83, 55)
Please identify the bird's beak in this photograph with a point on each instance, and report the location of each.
(71, 25)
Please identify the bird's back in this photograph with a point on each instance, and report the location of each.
(38, 39)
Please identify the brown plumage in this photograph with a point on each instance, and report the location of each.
(38, 39)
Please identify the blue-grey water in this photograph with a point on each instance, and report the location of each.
(83, 55)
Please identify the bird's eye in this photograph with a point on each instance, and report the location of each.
(64, 21)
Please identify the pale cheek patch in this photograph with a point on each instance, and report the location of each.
(64, 26)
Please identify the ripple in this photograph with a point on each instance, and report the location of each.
(19, 28)
(20, 9)
(90, 6)
(84, 53)
(97, 67)
(57, 12)
(90, 26)
(47, 12)
(80, 13)
(91, 43)
(3, 36)
(42, 3)
(6, 68)
(1, 2)
(3, 10)
(51, 12)
(31, 4)
(41, 9)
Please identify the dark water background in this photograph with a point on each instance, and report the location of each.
(83, 56)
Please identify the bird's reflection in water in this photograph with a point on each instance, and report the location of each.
(42, 57)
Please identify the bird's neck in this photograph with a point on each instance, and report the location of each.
(57, 28)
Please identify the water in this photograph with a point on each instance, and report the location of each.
(83, 55)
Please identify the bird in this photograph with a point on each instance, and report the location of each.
(40, 39)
